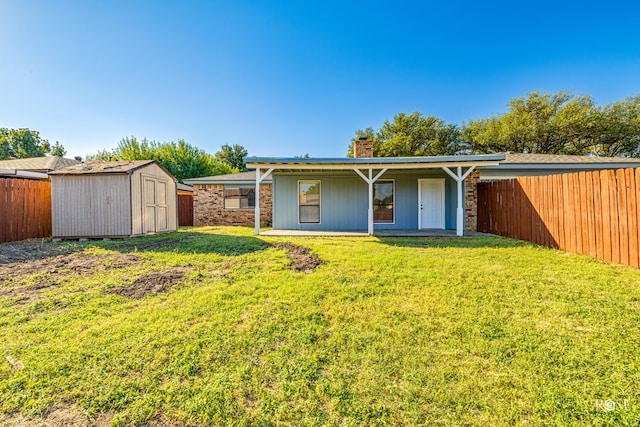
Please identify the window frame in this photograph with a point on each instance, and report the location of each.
(226, 187)
(310, 181)
(393, 204)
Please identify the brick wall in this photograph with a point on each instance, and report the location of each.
(471, 201)
(208, 207)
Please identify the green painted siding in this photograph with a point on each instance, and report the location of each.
(344, 200)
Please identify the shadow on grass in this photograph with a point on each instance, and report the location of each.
(186, 243)
(454, 242)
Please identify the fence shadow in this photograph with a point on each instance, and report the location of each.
(593, 213)
(453, 242)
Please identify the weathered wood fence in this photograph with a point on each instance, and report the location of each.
(185, 210)
(591, 213)
(25, 209)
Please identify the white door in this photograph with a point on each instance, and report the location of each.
(431, 203)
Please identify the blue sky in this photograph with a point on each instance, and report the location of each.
(288, 78)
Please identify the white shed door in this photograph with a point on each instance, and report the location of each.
(161, 199)
(431, 203)
(155, 205)
(149, 205)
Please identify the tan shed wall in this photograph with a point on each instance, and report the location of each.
(90, 205)
(137, 200)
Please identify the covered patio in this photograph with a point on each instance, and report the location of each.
(370, 170)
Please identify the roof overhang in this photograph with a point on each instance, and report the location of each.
(389, 163)
(17, 173)
(198, 181)
(559, 166)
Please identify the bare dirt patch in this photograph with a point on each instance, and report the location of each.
(63, 265)
(29, 250)
(58, 415)
(24, 279)
(153, 283)
(302, 259)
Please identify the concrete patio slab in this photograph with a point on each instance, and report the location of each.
(378, 233)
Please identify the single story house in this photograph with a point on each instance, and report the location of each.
(113, 199)
(399, 193)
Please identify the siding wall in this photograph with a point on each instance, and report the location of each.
(344, 200)
(137, 199)
(90, 205)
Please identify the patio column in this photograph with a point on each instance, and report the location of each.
(259, 179)
(459, 177)
(370, 180)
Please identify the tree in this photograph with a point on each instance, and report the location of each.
(618, 129)
(538, 123)
(23, 143)
(181, 159)
(233, 156)
(412, 135)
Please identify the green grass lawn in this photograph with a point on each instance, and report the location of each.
(388, 331)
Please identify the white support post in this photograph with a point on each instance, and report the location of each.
(460, 211)
(370, 211)
(257, 202)
(259, 179)
(459, 178)
(370, 181)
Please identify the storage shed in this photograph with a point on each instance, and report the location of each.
(113, 199)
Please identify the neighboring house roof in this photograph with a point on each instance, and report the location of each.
(525, 164)
(102, 167)
(17, 173)
(183, 187)
(232, 178)
(38, 164)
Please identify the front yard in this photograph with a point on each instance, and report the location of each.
(216, 326)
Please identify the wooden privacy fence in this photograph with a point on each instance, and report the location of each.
(591, 213)
(25, 209)
(185, 210)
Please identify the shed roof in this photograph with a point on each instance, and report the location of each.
(102, 167)
(38, 164)
(232, 178)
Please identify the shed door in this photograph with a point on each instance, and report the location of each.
(155, 205)
(431, 203)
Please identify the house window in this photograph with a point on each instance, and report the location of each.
(309, 202)
(383, 199)
(239, 197)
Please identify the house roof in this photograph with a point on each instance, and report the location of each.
(102, 167)
(38, 164)
(183, 187)
(232, 178)
(563, 159)
(342, 163)
(17, 173)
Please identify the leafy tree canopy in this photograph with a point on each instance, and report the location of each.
(412, 135)
(233, 156)
(182, 159)
(23, 143)
(560, 123)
